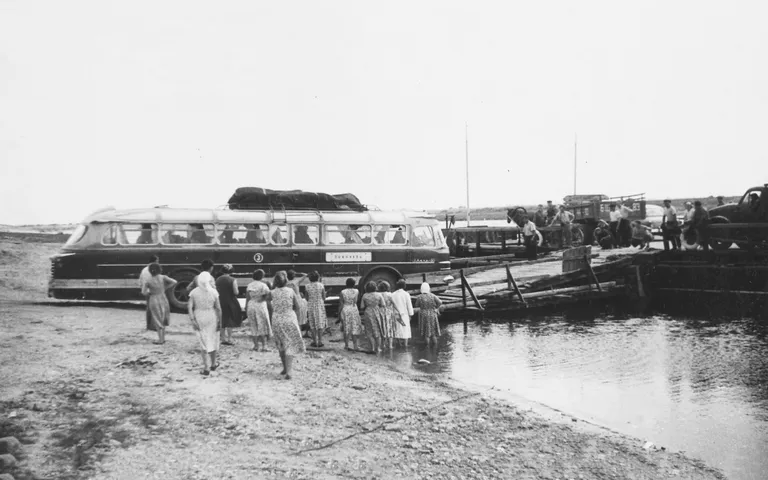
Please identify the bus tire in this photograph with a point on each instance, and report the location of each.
(389, 275)
(177, 296)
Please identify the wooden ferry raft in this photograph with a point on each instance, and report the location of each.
(566, 277)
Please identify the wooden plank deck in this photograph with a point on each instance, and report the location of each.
(489, 281)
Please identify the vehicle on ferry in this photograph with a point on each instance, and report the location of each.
(104, 256)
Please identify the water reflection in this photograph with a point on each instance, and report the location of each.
(699, 386)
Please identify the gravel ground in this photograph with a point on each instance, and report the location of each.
(90, 396)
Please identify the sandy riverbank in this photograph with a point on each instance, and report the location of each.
(91, 397)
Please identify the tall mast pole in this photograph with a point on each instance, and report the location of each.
(575, 140)
(466, 157)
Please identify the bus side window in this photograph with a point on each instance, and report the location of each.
(110, 235)
(305, 235)
(255, 234)
(390, 235)
(347, 234)
(278, 234)
(144, 234)
(196, 233)
(422, 237)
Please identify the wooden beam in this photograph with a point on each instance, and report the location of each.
(471, 292)
(705, 290)
(592, 273)
(512, 283)
(463, 289)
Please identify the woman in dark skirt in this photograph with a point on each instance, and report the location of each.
(231, 312)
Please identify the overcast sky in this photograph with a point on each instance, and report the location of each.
(136, 104)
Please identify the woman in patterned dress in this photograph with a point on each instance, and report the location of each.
(349, 315)
(205, 314)
(429, 306)
(372, 303)
(158, 309)
(387, 319)
(294, 285)
(257, 309)
(316, 309)
(231, 312)
(285, 328)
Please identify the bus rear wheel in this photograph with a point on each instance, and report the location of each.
(178, 296)
(379, 275)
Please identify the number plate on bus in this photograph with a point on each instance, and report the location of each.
(337, 257)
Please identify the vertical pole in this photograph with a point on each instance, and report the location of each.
(503, 242)
(423, 278)
(466, 158)
(575, 140)
(463, 288)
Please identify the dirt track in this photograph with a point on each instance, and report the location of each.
(91, 397)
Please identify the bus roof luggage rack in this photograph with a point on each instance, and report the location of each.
(255, 198)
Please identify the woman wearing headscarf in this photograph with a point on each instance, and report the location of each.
(372, 305)
(403, 312)
(429, 306)
(158, 309)
(231, 312)
(205, 315)
(285, 327)
(257, 308)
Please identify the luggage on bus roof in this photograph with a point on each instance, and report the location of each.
(255, 198)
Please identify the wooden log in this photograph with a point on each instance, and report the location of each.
(608, 287)
(608, 268)
(706, 290)
(640, 289)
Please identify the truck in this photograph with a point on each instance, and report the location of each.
(744, 223)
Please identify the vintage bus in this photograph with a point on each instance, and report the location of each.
(105, 254)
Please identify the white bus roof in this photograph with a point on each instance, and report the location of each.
(199, 215)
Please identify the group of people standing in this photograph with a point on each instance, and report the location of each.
(278, 311)
(694, 225)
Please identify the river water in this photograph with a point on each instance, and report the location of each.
(691, 385)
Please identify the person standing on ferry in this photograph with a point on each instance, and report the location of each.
(615, 217)
(565, 218)
(529, 238)
(670, 229)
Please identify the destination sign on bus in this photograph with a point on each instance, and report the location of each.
(339, 257)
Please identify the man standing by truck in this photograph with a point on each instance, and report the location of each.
(565, 218)
(699, 224)
(670, 229)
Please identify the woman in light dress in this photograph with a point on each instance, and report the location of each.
(285, 327)
(349, 315)
(316, 309)
(388, 314)
(205, 315)
(372, 304)
(429, 306)
(302, 315)
(257, 309)
(158, 308)
(403, 313)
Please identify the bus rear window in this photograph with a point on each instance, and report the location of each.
(422, 237)
(77, 235)
(193, 233)
(390, 235)
(347, 234)
(243, 233)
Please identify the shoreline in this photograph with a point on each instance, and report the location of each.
(90, 396)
